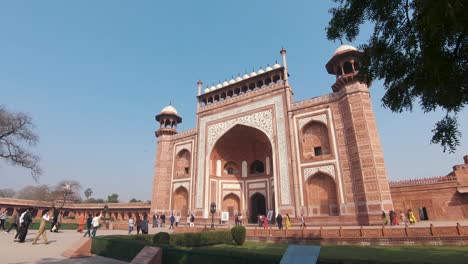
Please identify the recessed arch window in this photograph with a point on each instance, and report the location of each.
(257, 167)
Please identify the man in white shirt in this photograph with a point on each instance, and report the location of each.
(130, 225)
(95, 223)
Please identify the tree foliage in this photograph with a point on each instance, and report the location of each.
(88, 192)
(38, 193)
(92, 200)
(7, 193)
(16, 132)
(113, 198)
(133, 200)
(419, 48)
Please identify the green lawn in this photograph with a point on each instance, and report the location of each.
(394, 254)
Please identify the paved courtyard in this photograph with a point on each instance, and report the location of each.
(26, 253)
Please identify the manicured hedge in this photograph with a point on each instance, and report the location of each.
(238, 234)
(117, 248)
(64, 226)
(201, 239)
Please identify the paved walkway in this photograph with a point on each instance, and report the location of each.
(27, 253)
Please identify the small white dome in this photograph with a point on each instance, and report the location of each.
(252, 74)
(268, 68)
(225, 83)
(246, 76)
(343, 48)
(212, 88)
(238, 79)
(232, 81)
(276, 66)
(169, 110)
(206, 90)
(260, 71)
(219, 86)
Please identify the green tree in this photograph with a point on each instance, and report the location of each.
(88, 192)
(7, 193)
(16, 132)
(92, 200)
(133, 200)
(113, 198)
(419, 49)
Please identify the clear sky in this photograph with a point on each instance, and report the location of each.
(93, 74)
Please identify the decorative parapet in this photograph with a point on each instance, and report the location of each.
(187, 133)
(431, 180)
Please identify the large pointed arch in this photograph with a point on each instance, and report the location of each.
(180, 200)
(322, 196)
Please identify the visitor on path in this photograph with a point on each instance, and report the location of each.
(3, 217)
(59, 222)
(303, 224)
(81, 222)
(42, 228)
(163, 220)
(95, 223)
(288, 222)
(384, 218)
(236, 219)
(55, 214)
(403, 218)
(241, 218)
(177, 220)
(395, 218)
(172, 220)
(279, 221)
(391, 214)
(188, 221)
(155, 220)
(89, 225)
(138, 224)
(25, 221)
(14, 223)
(411, 217)
(130, 225)
(144, 225)
(265, 223)
(192, 220)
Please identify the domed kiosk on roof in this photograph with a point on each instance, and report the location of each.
(168, 120)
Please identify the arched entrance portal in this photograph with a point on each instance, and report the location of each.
(257, 206)
(231, 204)
(180, 201)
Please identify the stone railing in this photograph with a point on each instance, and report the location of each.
(422, 181)
(354, 235)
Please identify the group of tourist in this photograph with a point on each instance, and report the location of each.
(238, 219)
(141, 225)
(21, 222)
(287, 221)
(397, 219)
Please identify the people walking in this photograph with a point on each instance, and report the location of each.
(14, 223)
(89, 225)
(55, 214)
(288, 222)
(265, 223)
(42, 228)
(172, 220)
(303, 224)
(3, 217)
(138, 224)
(403, 218)
(81, 222)
(279, 221)
(411, 217)
(25, 221)
(130, 225)
(384, 218)
(95, 223)
(188, 221)
(192, 220)
(144, 225)
(240, 218)
(155, 220)
(177, 220)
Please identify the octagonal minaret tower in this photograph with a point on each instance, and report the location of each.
(168, 120)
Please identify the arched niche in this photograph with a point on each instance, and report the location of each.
(314, 141)
(322, 198)
(231, 204)
(180, 201)
(182, 166)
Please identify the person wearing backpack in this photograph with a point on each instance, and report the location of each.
(172, 220)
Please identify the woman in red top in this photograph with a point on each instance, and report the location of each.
(265, 223)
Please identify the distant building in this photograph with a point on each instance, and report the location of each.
(255, 150)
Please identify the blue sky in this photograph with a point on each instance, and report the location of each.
(93, 74)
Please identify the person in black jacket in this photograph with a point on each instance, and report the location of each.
(279, 220)
(88, 225)
(25, 221)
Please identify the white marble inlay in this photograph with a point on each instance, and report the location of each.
(181, 184)
(329, 169)
(322, 118)
(257, 185)
(231, 186)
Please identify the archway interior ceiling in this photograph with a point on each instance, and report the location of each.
(241, 143)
